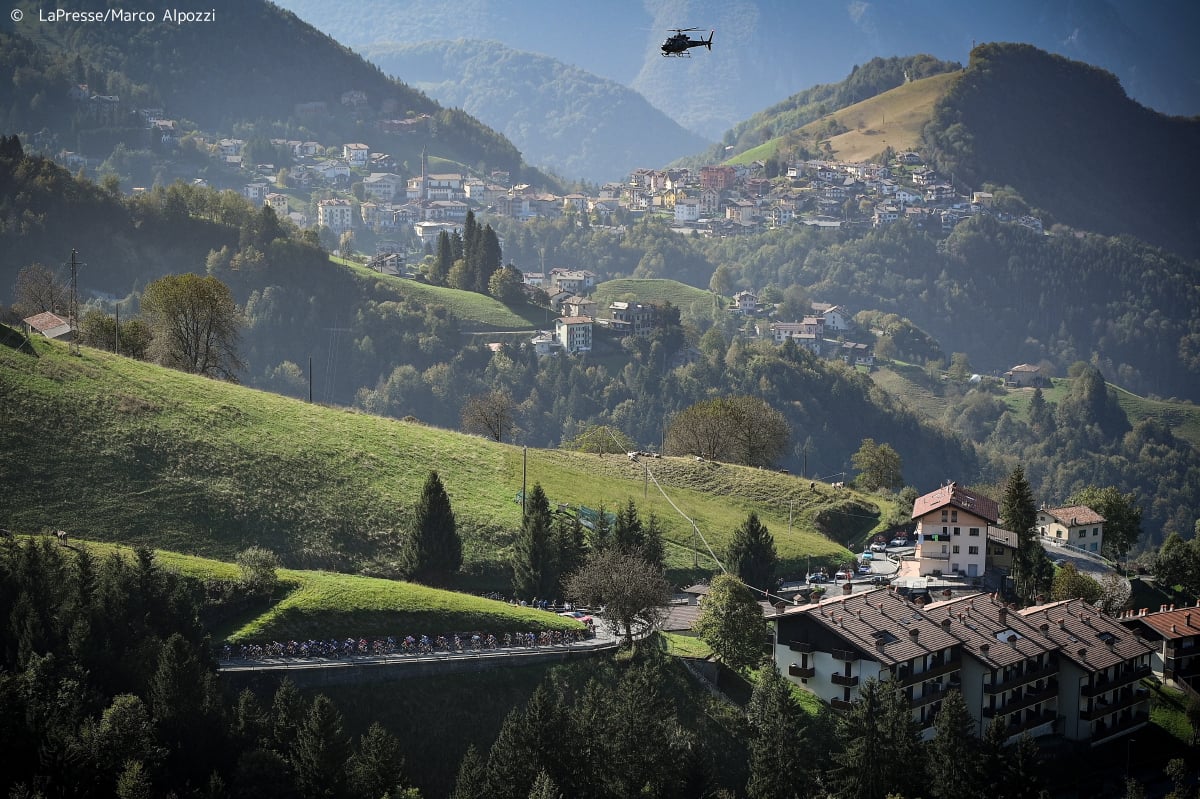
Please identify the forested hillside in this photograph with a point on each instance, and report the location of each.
(573, 123)
(1066, 136)
(255, 70)
(869, 80)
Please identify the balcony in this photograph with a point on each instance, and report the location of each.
(934, 671)
(1028, 725)
(843, 680)
(1030, 699)
(1131, 699)
(840, 704)
(844, 654)
(805, 672)
(801, 646)
(1125, 677)
(1104, 732)
(933, 693)
(1017, 680)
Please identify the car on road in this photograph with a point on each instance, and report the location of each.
(577, 615)
(878, 547)
(843, 575)
(817, 578)
(899, 542)
(1060, 561)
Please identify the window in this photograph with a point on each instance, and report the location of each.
(945, 515)
(974, 531)
(1083, 533)
(1095, 531)
(953, 515)
(958, 531)
(972, 550)
(956, 549)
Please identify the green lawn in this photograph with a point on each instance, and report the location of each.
(656, 290)
(178, 462)
(316, 604)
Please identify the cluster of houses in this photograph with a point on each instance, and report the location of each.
(1059, 667)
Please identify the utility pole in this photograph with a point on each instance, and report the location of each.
(117, 329)
(524, 474)
(74, 321)
(310, 380)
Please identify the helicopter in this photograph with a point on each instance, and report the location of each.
(679, 44)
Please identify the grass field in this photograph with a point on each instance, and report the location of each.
(113, 449)
(474, 311)
(892, 119)
(659, 290)
(314, 604)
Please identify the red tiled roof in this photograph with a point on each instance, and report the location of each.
(44, 321)
(1171, 624)
(961, 498)
(1075, 514)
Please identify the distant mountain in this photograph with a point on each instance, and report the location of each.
(1066, 136)
(255, 70)
(562, 118)
(765, 50)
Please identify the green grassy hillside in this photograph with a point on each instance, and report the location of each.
(318, 604)
(892, 119)
(654, 290)
(113, 449)
(473, 309)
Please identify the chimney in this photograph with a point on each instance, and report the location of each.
(1012, 639)
(879, 644)
(779, 606)
(1083, 653)
(1187, 619)
(1172, 606)
(913, 633)
(1142, 611)
(847, 589)
(1003, 615)
(946, 623)
(1062, 623)
(1173, 629)
(983, 649)
(1045, 628)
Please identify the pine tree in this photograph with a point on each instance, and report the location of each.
(1018, 514)
(535, 571)
(471, 782)
(628, 532)
(752, 554)
(321, 751)
(777, 741)
(953, 756)
(432, 550)
(377, 768)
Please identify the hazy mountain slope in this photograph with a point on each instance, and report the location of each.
(559, 116)
(256, 66)
(1066, 136)
(769, 49)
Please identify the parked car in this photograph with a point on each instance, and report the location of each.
(818, 578)
(878, 547)
(899, 542)
(843, 575)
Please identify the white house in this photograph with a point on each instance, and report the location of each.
(1077, 525)
(952, 528)
(574, 333)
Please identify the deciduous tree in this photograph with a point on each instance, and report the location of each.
(40, 289)
(489, 414)
(633, 592)
(878, 466)
(195, 325)
(731, 622)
